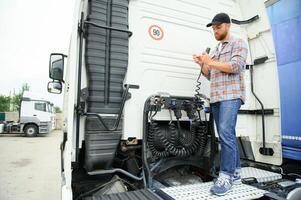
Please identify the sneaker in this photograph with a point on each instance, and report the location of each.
(236, 179)
(221, 186)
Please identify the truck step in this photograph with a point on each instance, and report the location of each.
(188, 192)
(202, 191)
(260, 175)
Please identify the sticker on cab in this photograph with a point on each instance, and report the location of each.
(156, 32)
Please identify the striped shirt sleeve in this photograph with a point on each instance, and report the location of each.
(239, 56)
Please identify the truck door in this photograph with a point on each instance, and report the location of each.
(40, 111)
(259, 121)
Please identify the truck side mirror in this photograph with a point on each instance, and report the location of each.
(54, 87)
(56, 66)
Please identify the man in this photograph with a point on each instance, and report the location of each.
(224, 68)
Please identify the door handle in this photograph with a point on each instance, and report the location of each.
(34, 115)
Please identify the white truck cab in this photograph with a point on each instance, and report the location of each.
(35, 116)
(137, 119)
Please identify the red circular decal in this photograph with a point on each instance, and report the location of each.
(156, 32)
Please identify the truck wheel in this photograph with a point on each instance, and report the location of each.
(31, 130)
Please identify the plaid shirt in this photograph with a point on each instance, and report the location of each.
(227, 86)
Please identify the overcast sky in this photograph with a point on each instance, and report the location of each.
(29, 31)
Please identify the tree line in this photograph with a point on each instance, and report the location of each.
(12, 103)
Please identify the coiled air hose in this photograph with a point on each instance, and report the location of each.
(197, 143)
(154, 129)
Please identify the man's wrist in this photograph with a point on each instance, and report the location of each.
(210, 64)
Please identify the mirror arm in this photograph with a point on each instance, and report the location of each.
(62, 81)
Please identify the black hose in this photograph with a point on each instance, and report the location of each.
(154, 129)
(198, 86)
(187, 138)
(146, 170)
(170, 145)
(198, 143)
(199, 83)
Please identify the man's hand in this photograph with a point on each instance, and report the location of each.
(197, 59)
(209, 64)
(205, 59)
(204, 67)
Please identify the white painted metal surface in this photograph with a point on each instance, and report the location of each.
(266, 85)
(168, 32)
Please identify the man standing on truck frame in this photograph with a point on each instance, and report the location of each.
(224, 68)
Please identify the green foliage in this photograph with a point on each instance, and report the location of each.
(14, 101)
(4, 103)
(57, 109)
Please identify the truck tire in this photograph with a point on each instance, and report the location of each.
(31, 130)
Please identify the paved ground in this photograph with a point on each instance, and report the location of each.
(30, 167)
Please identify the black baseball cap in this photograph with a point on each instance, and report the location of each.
(219, 19)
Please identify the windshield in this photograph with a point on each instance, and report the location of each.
(48, 108)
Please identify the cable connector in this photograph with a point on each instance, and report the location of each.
(176, 108)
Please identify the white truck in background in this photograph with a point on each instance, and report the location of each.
(53, 116)
(133, 122)
(36, 116)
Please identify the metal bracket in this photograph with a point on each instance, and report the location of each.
(124, 98)
(112, 171)
(260, 60)
(257, 112)
(84, 93)
(108, 27)
(248, 21)
(266, 151)
(80, 108)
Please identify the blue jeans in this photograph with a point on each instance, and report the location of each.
(225, 116)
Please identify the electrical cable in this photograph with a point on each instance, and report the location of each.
(199, 83)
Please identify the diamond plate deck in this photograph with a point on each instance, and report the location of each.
(260, 175)
(202, 191)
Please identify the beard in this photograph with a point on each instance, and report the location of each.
(221, 36)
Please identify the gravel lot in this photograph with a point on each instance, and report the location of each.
(30, 167)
